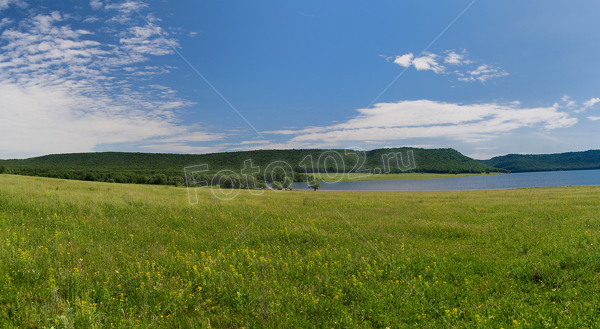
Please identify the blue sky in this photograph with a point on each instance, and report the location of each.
(484, 77)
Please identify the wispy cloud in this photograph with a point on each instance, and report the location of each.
(568, 103)
(66, 90)
(483, 73)
(591, 102)
(433, 62)
(430, 119)
(7, 3)
(6, 22)
(588, 105)
(91, 19)
(452, 58)
(96, 4)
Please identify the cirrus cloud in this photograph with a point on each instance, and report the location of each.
(64, 89)
(483, 73)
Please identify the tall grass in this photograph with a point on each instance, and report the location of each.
(97, 255)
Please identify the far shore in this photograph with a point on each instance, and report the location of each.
(354, 177)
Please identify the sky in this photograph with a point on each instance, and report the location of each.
(486, 78)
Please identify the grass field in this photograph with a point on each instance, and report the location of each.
(98, 255)
(365, 176)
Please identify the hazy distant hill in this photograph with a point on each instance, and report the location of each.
(547, 162)
(166, 168)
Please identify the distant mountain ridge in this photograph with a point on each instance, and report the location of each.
(165, 168)
(546, 162)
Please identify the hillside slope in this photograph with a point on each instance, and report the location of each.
(547, 162)
(142, 167)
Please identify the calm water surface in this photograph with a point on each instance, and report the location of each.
(491, 182)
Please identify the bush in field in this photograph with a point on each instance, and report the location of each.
(315, 185)
(277, 185)
(287, 183)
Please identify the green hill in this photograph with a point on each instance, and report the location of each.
(153, 168)
(547, 162)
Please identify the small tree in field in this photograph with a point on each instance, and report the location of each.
(287, 183)
(277, 185)
(315, 185)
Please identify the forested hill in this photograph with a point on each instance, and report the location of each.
(547, 162)
(162, 168)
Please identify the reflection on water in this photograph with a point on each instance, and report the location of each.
(491, 182)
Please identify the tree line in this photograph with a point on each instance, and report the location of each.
(168, 169)
(547, 162)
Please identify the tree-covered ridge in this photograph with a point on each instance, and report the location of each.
(547, 162)
(156, 168)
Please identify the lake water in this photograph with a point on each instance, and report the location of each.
(486, 182)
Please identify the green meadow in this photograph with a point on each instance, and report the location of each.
(97, 255)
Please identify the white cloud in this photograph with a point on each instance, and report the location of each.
(594, 118)
(96, 4)
(91, 19)
(423, 63)
(60, 92)
(515, 103)
(141, 40)
(6, 3)
(483, 73)
(125, 11)
(430, 119)
(6, 22)
(127, 6)
(588, 104)
(591, 102)
(570, 104)
(453, 58)
(404, 60)
(428, 62)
